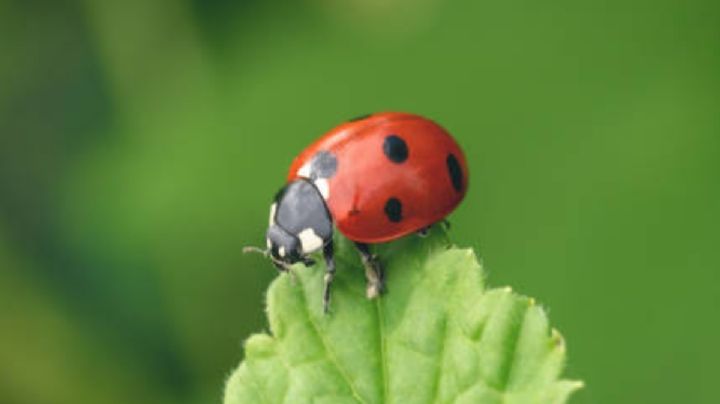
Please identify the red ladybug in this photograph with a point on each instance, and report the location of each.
(376, 178)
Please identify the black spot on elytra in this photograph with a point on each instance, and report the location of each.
(324, 165)
(455, 171)
(360, 118)
(395, 149)
(393, 210)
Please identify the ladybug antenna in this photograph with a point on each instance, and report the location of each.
(280, 265)
(253, 249)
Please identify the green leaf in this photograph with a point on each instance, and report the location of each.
(436, 336)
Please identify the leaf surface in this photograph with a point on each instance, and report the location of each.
(436, 336)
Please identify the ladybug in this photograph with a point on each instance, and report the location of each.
(375, 178)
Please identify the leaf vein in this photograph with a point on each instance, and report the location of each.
(383, 349)
(515, 341)
(289, 375)
(440, 362)
(330, 354)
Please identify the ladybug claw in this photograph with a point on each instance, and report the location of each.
(374, 290)
(285, 269)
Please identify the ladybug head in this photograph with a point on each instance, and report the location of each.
(300, 224)
(283, 247)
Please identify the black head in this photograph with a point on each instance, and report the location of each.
(300, 223)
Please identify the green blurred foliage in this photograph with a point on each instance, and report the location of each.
(140, 143)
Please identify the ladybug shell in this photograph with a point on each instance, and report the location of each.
(385, 175)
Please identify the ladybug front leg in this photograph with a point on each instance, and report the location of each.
(329, 255)
(373, 271)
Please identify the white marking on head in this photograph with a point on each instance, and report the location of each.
(310, 241)
(281, 251)
(273, 207)
(322, 185)
(304, 171)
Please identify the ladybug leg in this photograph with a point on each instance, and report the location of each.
(329, 255)
(445, 224)
(284, 269)
(373, 271)
(281, 267)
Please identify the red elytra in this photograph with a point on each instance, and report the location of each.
(428, 181)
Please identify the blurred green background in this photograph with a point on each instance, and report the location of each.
(141, 142)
